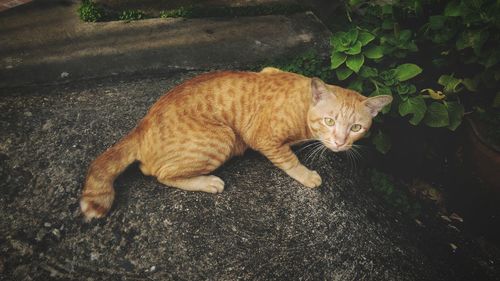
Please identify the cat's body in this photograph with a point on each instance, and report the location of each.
(203, 122)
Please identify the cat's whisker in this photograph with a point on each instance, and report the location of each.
(319, 153)
(355, 150)
(313, 153)
(349, 160)
(359, 157)
(313, 144)
(360, 146)
(312, 150)
(353, 162)
(322, 156)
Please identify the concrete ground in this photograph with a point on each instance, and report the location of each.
(40, 41)
(264, 226)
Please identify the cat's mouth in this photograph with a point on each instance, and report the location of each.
(336, 148)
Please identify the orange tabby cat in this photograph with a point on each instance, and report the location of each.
(203, 122)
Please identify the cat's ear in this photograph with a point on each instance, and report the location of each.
(375, 104)
(319, 91)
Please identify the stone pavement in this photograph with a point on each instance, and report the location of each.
(38, 45)
(264, 226)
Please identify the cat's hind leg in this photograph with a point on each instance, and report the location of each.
(202, 152)
(210, 184)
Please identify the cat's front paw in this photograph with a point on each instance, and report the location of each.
(311, 179)
(305, 176)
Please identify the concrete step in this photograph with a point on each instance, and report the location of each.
(45, 44)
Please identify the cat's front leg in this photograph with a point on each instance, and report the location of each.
(284, 158)
(305, 176)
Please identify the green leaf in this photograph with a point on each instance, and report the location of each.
(491, 60)
(405, 89)
(414, 106)
(354, 2)
(365, 37)
(387, 9)
(453, 9)
(455, 113)
(374, 52)
(388, 77)
(337, 43)
(352, 35)
(354, 49)
(450, 83)
(472, 38)
(470, 84)
(382, 142)
(407, 71)
(337, 59)
(412, 47)
(343, 73)
(368, 72)
(436, 22)
(381, 90)
(436, 115)
(405, 35)
(355, 62)
(356, 85)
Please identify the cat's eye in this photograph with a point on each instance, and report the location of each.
(329, 121)
(355, 128)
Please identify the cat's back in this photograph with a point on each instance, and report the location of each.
(231, 98)
(205, 85)
(223, 86)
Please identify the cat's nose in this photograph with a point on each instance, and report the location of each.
(339, 142)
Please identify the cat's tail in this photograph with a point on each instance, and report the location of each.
(98, 193)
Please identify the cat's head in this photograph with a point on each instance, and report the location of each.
(338, 117)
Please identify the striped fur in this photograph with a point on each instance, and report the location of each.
(200, 124)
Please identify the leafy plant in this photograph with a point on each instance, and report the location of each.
(490, 124)
(469, 30)
(309, 63)
(182, 12)
(130, 15)
(458, 34)
(349, 50)
(386, 186)
(382, 141)
(90, 11)
(398, 43)
(446, 110)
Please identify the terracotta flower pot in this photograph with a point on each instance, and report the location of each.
(482, 155)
